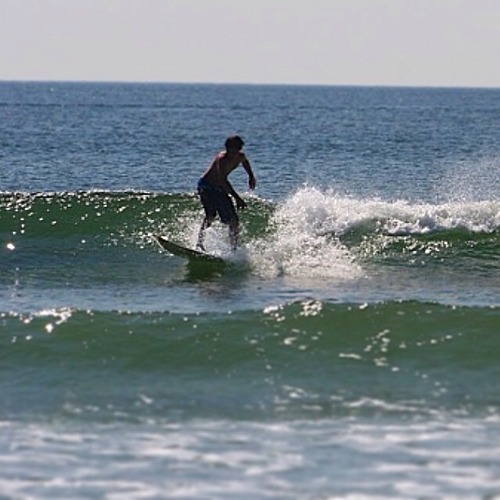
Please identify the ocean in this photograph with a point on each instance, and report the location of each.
(349, 349)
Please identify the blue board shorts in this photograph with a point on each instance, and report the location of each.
(216, 201)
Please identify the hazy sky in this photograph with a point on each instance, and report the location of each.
(366, 42)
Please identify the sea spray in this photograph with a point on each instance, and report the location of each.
(297, 244)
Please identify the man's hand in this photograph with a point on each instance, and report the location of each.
(251, 182)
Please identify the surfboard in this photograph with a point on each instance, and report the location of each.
(188, 253)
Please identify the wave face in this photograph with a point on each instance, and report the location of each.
(308, 359)
(342, 248)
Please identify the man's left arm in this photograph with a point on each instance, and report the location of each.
(251, 177)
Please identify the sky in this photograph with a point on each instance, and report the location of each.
(322, 42)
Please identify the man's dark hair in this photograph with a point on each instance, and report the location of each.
(235, 140)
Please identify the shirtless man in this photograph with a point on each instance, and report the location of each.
(214, 190)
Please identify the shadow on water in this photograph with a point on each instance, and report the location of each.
(205, 271)
(216, 281)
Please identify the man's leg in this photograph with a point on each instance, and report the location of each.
(207, 222)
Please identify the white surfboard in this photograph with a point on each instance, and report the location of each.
(188, 253)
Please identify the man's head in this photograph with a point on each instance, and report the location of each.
(234, 142)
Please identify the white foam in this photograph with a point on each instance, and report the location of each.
(448, 456)
(311, 211)
(300, 242)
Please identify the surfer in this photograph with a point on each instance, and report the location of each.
(215, 190)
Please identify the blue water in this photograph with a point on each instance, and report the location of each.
(349, 347)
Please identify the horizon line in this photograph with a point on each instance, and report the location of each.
(263, 84)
